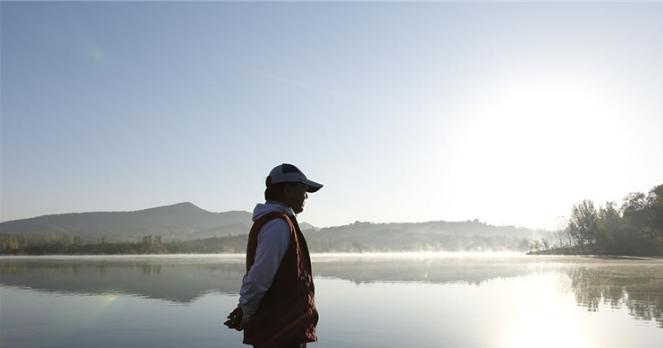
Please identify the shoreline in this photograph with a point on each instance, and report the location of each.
(591, 253)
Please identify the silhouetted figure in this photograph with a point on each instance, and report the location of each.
(276, 307)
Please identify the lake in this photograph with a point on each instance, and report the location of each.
(364, 300)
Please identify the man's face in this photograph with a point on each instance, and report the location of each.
(295, 195)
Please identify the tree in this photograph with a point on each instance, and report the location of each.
(583, 224)
(610, 229)
(635, 210)
(640, 214)
(535, 245)
(655, 205)
(559, 235)
(147, 241)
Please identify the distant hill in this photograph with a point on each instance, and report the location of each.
(391, 237)
(182, 221)
(433, 235)
(177, 221)
(206, 231)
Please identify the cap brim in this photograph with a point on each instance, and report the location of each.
(312, 185)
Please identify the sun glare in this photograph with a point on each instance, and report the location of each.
(547, 137)
(544, 319)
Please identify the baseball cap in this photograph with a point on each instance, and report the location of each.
(289, 173)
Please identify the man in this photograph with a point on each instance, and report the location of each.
(276, 306)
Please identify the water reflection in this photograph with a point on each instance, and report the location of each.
(177, 280)
(637, 287)
(634, 284)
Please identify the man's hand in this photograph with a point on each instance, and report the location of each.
(235, 320)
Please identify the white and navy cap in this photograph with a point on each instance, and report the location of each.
(289, 173)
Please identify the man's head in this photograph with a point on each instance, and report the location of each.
(287, 184)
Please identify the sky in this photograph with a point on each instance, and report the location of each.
(509, 113)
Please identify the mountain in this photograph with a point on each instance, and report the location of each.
(178, 221)
(434, 235)
(182, 221)
(394, 237)
(206, 231)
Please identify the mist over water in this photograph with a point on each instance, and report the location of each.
(365, 300)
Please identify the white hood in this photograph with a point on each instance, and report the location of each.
(270, 207)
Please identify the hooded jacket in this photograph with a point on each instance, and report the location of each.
(286, 312)
(273, 242)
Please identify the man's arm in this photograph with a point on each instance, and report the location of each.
(273, 242)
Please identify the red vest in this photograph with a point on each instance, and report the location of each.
(287, 313)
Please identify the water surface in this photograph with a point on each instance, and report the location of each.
(376, 300)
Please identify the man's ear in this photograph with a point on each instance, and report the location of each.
(287, 188)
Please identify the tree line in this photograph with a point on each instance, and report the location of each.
(67, 245)
(633, 228)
